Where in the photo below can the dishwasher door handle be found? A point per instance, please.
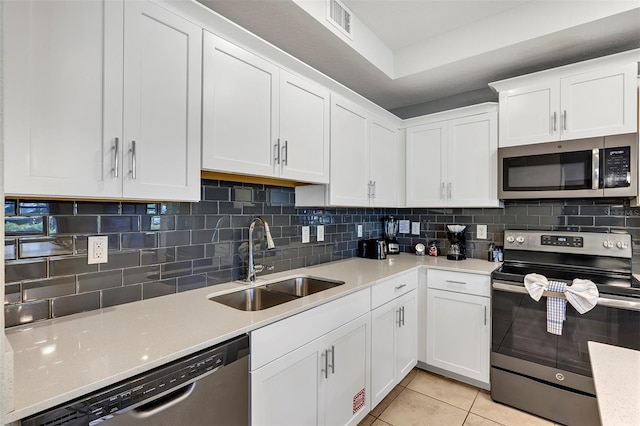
(181, 394)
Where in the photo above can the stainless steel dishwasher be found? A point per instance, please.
(210, 387)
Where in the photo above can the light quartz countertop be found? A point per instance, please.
(616, 374)
(58, 360)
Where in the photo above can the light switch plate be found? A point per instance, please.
(305, 234)
(481, 232)
(359, 228)
(320, 233)
(415, 228)
(97, 249)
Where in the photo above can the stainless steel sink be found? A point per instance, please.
(253, 299)
(269, 295)
(303, 286)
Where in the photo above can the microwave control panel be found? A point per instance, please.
(617, 167)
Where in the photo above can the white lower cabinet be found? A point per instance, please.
(459, 324)
(393, 344)
(323, 381)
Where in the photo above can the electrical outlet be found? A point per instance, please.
(415, 228)
(359, 228)
(481, 232)
(97, 249)
(305, 234)
(320, 232)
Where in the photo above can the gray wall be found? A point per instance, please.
(157, 249)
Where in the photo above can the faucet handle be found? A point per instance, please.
(258, 267)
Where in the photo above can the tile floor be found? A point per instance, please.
(424, 398)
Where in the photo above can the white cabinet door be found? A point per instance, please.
(384, 321)
(286, 391)
(240, 109)
(162, 89)
(349, 154)
(393, 344)
(62, 97)
(304, 130)
(426, 166)
(530, 114)
(599, 103)
(458, 333)
(406, 341)
(345, 388)
(383, 167)
(472, 166)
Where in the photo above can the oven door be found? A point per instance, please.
(519, 331)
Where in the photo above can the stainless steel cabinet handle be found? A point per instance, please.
(116, 156)
(449, 191)
(133, 159)
(373, 185)
(333, 360)
(285, 153)
(456, 282)
(398, 287)
(370, 189)
(276, 152)
(402, 316)
(325, 370)
(399, 318)
(555, 121)
(564, 120)
(595, 174)
(485, 315)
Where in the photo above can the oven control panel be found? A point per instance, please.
(560, 240)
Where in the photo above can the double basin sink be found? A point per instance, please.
(276, 293)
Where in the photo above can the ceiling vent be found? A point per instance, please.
(340, 16)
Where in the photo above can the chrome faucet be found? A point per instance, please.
(253, 269)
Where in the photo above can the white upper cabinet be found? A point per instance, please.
(261, 120)
(67, 131)
(304, 130)
(349, 184)
(364, 158)
(240, 109)
(453, 161)
(588, 99)
(162, 92)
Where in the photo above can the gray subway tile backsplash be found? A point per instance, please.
(157, 249)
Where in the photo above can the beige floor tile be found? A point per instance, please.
(485, 407)
(386, 401)
(450, 391)
(379, 422)
(412, 408)
(367, 421)
(475, 420)
(408, 378)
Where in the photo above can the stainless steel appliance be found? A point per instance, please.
(547, 374)
(210, 387)
(594, 167)
(390, 232)
(457, 242)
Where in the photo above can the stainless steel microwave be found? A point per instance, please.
(593, 167)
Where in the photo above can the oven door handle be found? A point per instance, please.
(618, 303)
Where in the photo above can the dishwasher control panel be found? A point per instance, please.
(146, 388)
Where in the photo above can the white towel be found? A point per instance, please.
(582, 294)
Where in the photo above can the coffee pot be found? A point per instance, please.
(457, 249)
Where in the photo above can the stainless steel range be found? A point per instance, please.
(547, 374)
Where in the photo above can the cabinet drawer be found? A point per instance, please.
(275, 340)
(392, 288)
(459, 282)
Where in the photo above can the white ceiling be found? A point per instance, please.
(420, 56)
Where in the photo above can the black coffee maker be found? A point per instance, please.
(457, 249)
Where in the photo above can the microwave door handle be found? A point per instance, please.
(595, 175)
